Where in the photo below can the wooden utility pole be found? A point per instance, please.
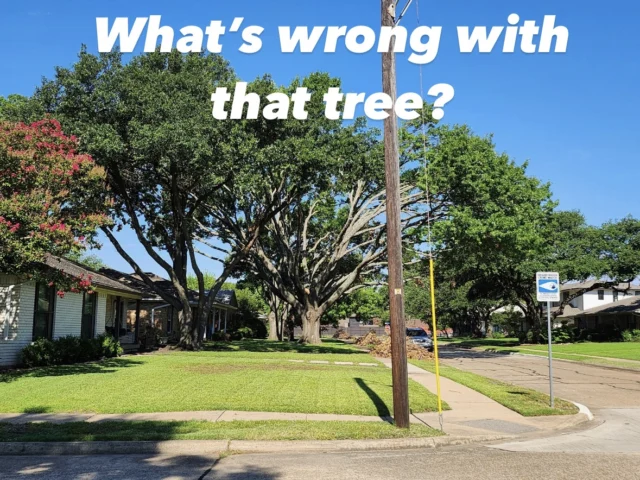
(394, 233)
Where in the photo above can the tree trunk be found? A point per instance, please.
(188, 340)
(273, 326)
(311, 326)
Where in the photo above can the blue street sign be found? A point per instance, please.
(548, 287)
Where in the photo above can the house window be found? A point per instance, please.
(600, 294)
(615, 296)
(87, 329)
(43, 311)
(170, 321)
(637, 293)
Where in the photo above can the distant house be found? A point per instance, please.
(155, 311)
(31, 310)
(619, 306)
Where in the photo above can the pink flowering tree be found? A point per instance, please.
(52, 200)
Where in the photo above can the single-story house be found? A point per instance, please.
(31, 310)
(155, 311)
(624, 314)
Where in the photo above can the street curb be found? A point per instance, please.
(182, 447)
(583, 409)
(201, 447)
(359, 445)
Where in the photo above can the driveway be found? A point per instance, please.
(612, 395)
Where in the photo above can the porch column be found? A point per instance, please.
(226, 314)
(137, 329)
(118, 318)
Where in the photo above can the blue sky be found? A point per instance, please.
(573, 115)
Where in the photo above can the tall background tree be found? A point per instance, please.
(183, 182)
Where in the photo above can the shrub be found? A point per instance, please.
(220, 336)
(109, 347)
(151, 335)
(604, 333)
(242, 333)
(40, 353)
(563, 334)
(631, 336)
(69, 350)
(498, 335)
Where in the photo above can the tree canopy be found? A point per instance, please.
(50, 198)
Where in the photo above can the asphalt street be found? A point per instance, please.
(445, 464)
(612, 395)
(594, 386)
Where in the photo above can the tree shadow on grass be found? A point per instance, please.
(381, 406)
(107, 366)
(36, 410)
(264, 346)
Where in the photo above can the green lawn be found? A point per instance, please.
(245, 376)
(526, 402)
(237, 430)
(622, 355)
(619, 350)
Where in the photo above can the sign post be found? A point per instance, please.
(548, 290)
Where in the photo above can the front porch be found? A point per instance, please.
(124, 327)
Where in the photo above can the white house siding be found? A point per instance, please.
(16, 309)
(101, 313)
(591, 300)
(67, 319)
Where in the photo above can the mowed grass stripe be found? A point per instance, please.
(525, 401)
(200, 430)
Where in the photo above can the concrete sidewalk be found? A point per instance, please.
(209, 416)
(474, 414)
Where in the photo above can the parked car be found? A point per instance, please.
(421, 338)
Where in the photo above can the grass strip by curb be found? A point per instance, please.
(525, 401)
(202, 430)
(575, 357)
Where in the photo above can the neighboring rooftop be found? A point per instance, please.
(224, 297)
(591, 283)
(626, 305)
(98, 279)
(568, 312)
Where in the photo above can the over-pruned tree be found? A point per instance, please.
(330, 240)
(287, 159)
(50, 202)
